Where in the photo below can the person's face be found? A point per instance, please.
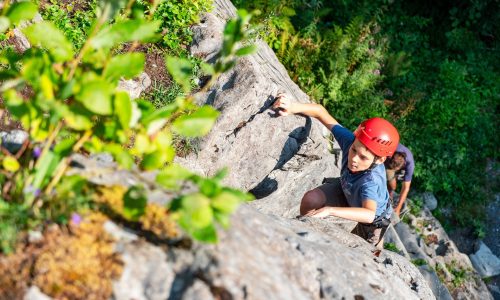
(360, 158)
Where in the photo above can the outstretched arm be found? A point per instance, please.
(285, 107)
(405, 188)
(365, 214)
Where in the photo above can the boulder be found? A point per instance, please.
(485, 262)
(430, 200)
(13, 140)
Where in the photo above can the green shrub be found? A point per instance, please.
(73, 104)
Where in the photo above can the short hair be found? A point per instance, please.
(397, 161)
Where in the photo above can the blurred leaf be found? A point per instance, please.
(208, 69)
(20, 11)
(181, 70)
(96, 97)
(170, 176)
(123, 108)
(49, 37)
(75, 116)
(206, 234)
(157, 159)
(45, 167)
(10, 164)
(121, 155)
(126, 31)
(63, 148)
(196, 210)
(197, 124)
(246, 50)
(107, 9)
(4, 24)
(126, 65)
(226, 202)
(134, 203)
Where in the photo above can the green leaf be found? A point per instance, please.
(157, 159)
(96, 97)
(134, 203)
(197, 124)
(63, 148)
(226, 202)
(107, 9)
(206, 234)
(46, 166)
(4, 24)
(76, 117)
(123, 109)
(49, 37)
(126, 31)
(171, 176)
(196, 211)
(222, 218)
(208, 69)
(126, 65)
(21, 11)
(246, 50)
(121, 155)
(10, 164)
(181, 70)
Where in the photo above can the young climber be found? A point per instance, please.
(360, 194)
(399, 167)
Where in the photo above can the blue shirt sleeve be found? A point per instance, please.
(344, 137)
(369, 191)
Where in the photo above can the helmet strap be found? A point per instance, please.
(373, 165)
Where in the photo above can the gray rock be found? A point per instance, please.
(430, 200)
(13, 140)
(35, 236)
(19, 40)
(485, 262)
(134, 87)
(146, 274)
(34, 293)
(198, 290)
(438, 288)
(119, 234)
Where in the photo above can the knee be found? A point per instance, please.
(313, 199)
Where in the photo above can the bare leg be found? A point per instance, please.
(311, 200)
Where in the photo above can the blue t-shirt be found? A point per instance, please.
(359, 186)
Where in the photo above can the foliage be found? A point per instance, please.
(74, 22)
(155, 218)
(391, 247)
(79, 262)
(176, 18)
(73, 105)
(419, 262)
(416, 206)
(162, 95)
(338, 65)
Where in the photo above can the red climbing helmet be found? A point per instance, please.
(379, 136)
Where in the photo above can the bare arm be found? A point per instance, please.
(365, 214)
(286, 107)
(405, 188)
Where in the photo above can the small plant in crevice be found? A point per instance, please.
(419, 262)
(391, 247)
(162, 95)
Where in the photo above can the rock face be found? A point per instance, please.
(267, 253)
(485, 262)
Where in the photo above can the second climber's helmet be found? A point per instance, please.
(379, 136)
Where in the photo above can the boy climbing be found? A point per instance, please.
(399, 167)
(360, 194)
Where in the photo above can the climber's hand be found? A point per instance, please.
(319, 213)
(283, 105)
